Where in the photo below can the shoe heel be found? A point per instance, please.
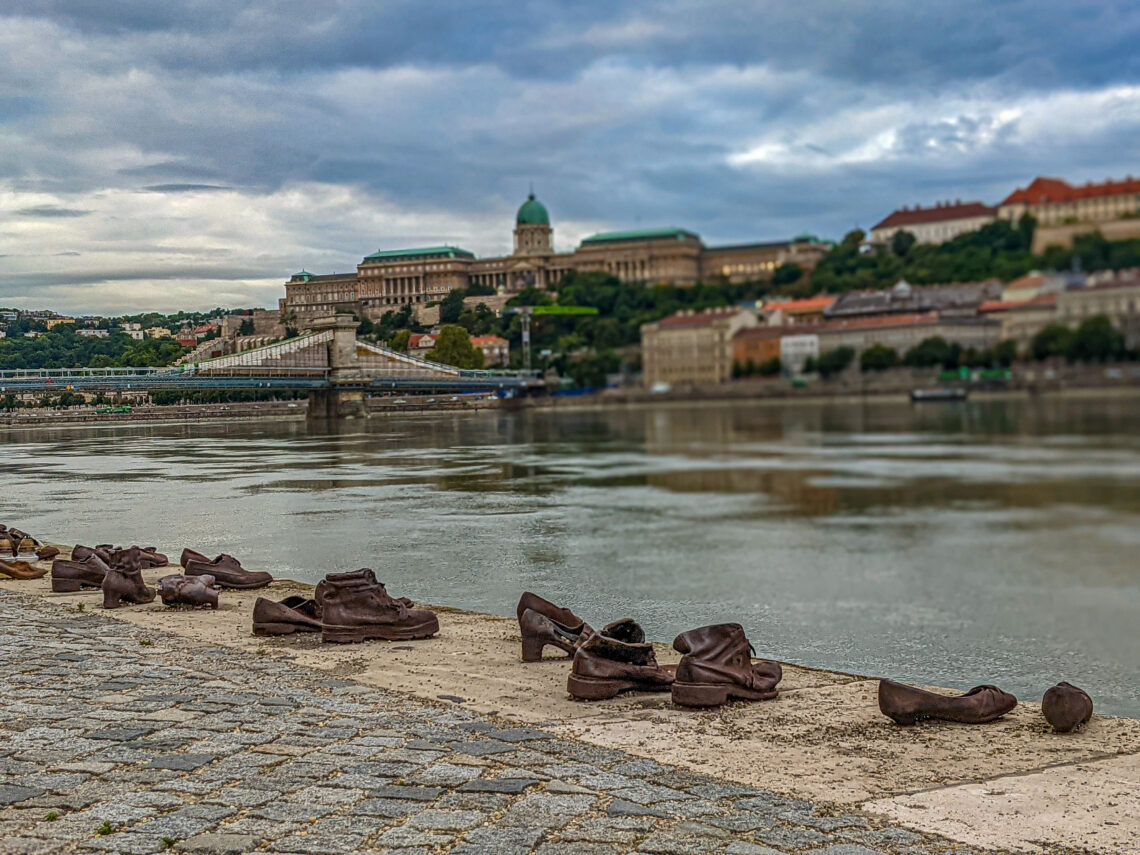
(65, 586)
(585, 689)
(111, 600)
(532, 648)
(697, 695)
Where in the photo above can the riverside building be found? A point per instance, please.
(391, 279)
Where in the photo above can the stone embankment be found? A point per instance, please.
(180, 724)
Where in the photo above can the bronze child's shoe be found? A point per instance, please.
(616, 659)
(179, 590)
(292, 614)
(1066, 707)
(46, 553)
(21, 570)
(70, 576)
(228, 573)
(717, 665)
(125, 584)
(907, 704)
(351, 612)
(547, 624)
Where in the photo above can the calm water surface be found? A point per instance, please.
(988, 542)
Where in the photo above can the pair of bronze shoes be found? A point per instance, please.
(346, 608)
(225, 570)
(1065, 706)
(147, 556)
(21, 570)
(716, 662)
(16, 543)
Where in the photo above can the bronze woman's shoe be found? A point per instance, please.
(616, 659)
(21, 570)
(228, 572)
(46, 553)
(189, 555)
(352, 612)
(547, 624)
(907, 704)
(125, 583)
(716, 665)
(292, 614)
(179, 590)
(70, 576)
(1066, 707)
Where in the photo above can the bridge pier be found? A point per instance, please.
(343, 399)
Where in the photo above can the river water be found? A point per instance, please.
(989, 542)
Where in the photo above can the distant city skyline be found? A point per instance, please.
(165, 157)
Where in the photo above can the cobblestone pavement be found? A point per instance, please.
(115, 739)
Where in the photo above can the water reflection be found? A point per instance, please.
(994, 541)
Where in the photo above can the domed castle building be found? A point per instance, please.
(393, 278)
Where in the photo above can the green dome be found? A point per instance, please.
(532, 213)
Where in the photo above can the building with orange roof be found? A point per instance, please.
(796, 312)
(496, 349)
(1054, 201)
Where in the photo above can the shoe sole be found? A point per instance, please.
(715, 694)
(594, 689)
(355, 635)
(281, 628)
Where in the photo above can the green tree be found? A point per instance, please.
(834, 361)
(1004, 353)
(400, 341)
(930, 351)
(1096, 341)
(878, 357)
(770, 367)
(451, 307)
(453, 347)
(787, 274)
(246, 327)
(901, 243)
(1052, 340)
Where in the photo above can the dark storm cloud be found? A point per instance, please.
(51, 211)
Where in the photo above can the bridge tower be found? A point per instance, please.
(344, 397)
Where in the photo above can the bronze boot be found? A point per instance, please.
(179, 590)
(292, 614)
(70, 576)
(228, 573)
(124, 581)
(716, 665)
(353, 613)
(21, 570)
(907, 704)
(1066, 707)
(547, 624)
(362, 578)
(616, 659)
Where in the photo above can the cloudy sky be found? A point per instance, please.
(167, 155)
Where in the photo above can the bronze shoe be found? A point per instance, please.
(717, 665)
(124, 583)
(292, 614)
(80, 553)
(228, 573)
(179, 590)
(1066, 707)
(907, 704)
(70, 576)
(189, 555)
(7, 547)
(362, 578)
(354, 613)
(547, 624)
(616, 659)
(21, 570)
(46, 553)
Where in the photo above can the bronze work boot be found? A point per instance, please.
(1066, 707)
(46, 553)
(907, 704)
(67, 577)
(179, 590)
(362, 578)
(228, 573)
(351, 612)
(547, 624)
(616, 659)
(717, 665)
(292, 614)
(21, 570)
(124, 582)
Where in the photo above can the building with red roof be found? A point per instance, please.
(1053, 201)
(937, 224)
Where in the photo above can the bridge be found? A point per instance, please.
(330, 363)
